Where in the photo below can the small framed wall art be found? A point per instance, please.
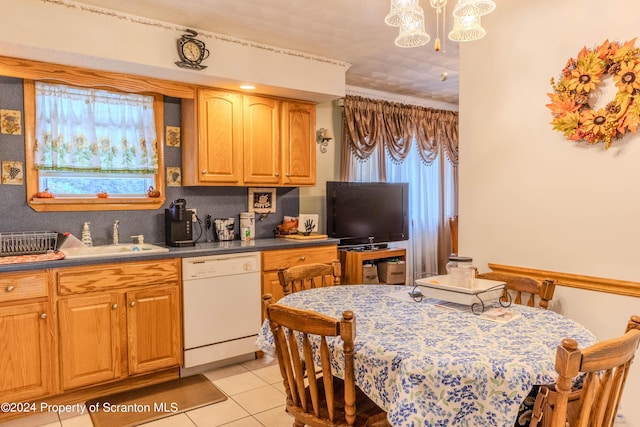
(262, 200)
(174, 176)
(172, 137)
(12, 172)
(10, 122)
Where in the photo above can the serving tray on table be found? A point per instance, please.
(484, 291)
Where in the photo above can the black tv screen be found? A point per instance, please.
(364, 212)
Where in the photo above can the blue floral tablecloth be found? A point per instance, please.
(428, 366)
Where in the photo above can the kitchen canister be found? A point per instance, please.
(461, 271)
(248, 220)
(224, 228)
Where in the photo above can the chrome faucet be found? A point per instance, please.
(116, 225)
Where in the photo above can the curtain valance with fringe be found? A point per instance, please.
(369, 123)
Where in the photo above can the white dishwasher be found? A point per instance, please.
(222, 306)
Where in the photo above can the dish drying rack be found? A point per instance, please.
(28, 243)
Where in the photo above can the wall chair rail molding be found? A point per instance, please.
(600, 284)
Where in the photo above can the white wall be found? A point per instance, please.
(529, 197)
(313, 199)
(70, 33)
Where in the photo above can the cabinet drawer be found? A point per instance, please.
(19, 286)
(272, 260)
(107, 277)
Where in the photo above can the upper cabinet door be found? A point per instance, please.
(298, 143)
(220, 134)
(231, 139)
(261, 141)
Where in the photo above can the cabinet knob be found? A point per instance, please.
(288, 175)
(10, 288)
(277, 174)
(114, 306)
(132, 303)
(204, 172)
(302, 258)
(43, 316)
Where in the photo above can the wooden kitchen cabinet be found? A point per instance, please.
(261, 150)
(89, 339)
(27, 356)
(298, 156)
(275, 259)
(153, 326)
(212, 154)
(120, 320)
(233, 139)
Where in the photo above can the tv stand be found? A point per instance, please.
(368, 248)
(352, 261)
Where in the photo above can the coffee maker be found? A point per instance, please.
(178, 230)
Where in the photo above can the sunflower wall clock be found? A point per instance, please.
(577, 87)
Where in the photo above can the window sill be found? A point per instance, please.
(39, 204)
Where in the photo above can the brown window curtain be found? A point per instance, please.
(369, 122)
(376, 126)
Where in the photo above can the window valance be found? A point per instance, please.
(369, 123)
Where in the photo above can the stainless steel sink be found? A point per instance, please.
(112, 251)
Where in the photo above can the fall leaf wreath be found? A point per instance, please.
(572, 113)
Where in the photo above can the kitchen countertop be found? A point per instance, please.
(200, 249)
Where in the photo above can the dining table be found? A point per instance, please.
(429, 365)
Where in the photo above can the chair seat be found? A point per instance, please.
(368, 415)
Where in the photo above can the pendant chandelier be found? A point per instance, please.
(412, 34)
(404, 11)
(409, 17)
(466, 28)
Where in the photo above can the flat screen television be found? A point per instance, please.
(360, 213)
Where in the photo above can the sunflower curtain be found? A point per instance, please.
(89, 130)
(421, 146)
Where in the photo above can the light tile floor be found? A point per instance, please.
(255, 399)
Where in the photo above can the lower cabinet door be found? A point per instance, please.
(89, 340)
(153, 329)
(271, 285)
(25, 353)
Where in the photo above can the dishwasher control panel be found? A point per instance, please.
(220, 265)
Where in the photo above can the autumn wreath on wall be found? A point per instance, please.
(578, 85)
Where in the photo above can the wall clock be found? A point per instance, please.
(191, 51)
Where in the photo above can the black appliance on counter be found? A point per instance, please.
(178, 229)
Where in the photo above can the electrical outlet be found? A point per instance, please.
(194, 217)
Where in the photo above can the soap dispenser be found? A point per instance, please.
(86, 235)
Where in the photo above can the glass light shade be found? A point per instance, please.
(404, 12)
(412, 35)
(466, 29)
(473, 8)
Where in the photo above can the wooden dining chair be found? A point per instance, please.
(526, 289)
(453, 229)
(605, 366)
(313, 395)
(307, 276)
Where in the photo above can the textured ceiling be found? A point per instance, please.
(352, 31)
